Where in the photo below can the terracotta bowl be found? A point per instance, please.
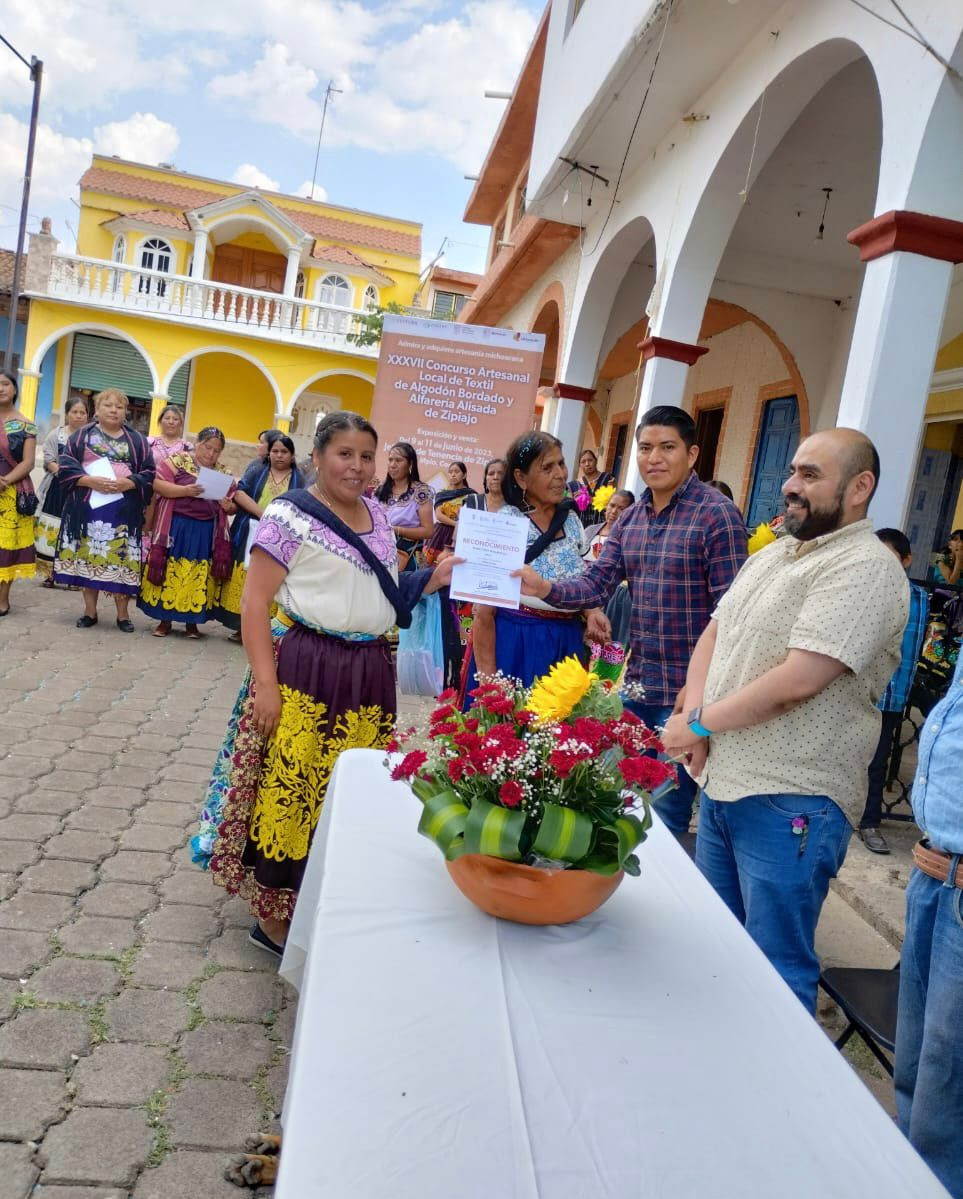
(528, 895)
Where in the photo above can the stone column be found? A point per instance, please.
(568, 420)
(909, 258)
(667, 365)
(199, 261)
(291, 272)
(27, 397)
(158, 402)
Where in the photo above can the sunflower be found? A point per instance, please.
(555, 694)
(602, 497)
(762, 536)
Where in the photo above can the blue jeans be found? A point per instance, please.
(929, 1030)
(773, 878)
(675, 809)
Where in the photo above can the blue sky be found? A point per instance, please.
(233, 89)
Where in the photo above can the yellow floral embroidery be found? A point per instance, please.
(187, 587)
(16, 533)
(230, 594)
(297, 768)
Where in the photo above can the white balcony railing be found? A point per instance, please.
(203, 302)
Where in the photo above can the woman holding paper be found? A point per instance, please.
(321, 678)
(107, 474)
(262, 482)
(527, 643)
(190, 548)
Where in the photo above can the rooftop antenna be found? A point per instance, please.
(330, 91)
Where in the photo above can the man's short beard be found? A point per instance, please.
(810, 525)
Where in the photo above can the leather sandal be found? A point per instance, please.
(125, 625)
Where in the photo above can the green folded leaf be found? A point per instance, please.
(443, 820)
(564, 834)
(494, 831)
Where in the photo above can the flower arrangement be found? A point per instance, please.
(557, 775)
(602, 497)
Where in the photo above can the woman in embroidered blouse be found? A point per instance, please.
(263, 481)
(527, 643)
(170, 439)
(589, 480)
(190, 545)
(49, 492)
(447, 505)
(407, 502)
(321, 679)
(18, 447)
(99, 548)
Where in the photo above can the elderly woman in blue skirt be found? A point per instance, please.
(190, 549)
(527, 643)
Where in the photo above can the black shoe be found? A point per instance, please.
(125, 626)
(874, 840)
(257, 936)
(86, 622)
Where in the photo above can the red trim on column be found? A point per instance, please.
(569, 391)
(912, 232)
(678, 351)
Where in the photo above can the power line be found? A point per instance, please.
(912, 33)
(14, 49)
(635, 125)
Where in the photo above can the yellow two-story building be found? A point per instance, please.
(235, 303)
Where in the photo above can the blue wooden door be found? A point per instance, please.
(778, 439)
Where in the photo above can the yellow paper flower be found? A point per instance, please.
(602, 497)
(555, 694)
(762, 536)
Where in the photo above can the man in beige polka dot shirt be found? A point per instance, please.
(779, 708)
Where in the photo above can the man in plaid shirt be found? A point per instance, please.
(893, 700)
(679, 548)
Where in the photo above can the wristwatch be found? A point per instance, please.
(694, 721)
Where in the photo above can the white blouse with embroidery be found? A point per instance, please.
(328, 585)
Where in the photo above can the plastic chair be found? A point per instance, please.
(868, 999)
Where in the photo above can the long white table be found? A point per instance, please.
(647, 1052)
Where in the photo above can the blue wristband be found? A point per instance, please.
(699, 729)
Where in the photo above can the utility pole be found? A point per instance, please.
(330, 90)
(35, 67)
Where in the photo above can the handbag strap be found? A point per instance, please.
(544, 540)
(306, 502)
(6, 454)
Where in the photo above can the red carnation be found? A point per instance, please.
(448, 695)
(590, 730)
(524, 717)
(498, 704)
(628, 717)
(563, 762)
(409, 765)
(444, 728)
(442, 713)
(647, 773)
(511, 794)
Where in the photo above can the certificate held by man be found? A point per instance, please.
(493, 545)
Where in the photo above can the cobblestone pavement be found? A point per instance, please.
(142, 1038)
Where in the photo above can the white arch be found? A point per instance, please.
(302, 387)
(92, 327)
(277, 237)
(201, 350)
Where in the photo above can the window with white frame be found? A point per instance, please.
(370, 298)
(155, 255)
(120, 248)
(336, 290)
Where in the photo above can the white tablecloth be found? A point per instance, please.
(647, 1052)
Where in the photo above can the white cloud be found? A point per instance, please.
(142, 137)
(309, 191)
(248, 175)
(59, 162)
(276, 90)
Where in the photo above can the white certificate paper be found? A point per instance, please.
(493, 546)
(216, 483)
(100, 468)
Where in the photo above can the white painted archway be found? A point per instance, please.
(202, 350)
(92, 327)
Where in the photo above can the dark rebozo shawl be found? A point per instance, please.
(251, 482)
(77, 508)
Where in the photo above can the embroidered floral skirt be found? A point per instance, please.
(17, 555)
(188, 590)
(335, 695)
(106, 558)
(227, 601)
